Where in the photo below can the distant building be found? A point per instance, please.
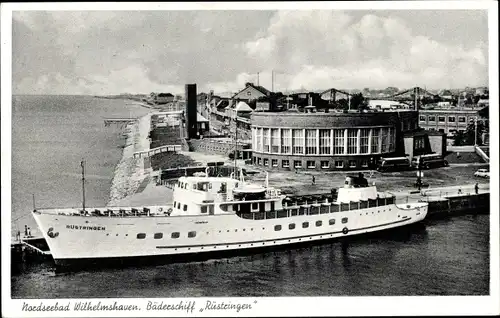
(386, 104)
(251, 92)
(447, 120)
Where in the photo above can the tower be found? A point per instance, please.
(191, 111)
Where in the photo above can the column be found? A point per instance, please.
(317, 141)
(304, 141)
(358, 141)
(269, 139)
(331, 141)
(370, 140)
(345, 141)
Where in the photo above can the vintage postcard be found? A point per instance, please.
(250, 159)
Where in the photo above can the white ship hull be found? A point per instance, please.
(75, 239)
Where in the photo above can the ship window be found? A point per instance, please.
(344, 220)
(255, 206)
(305, 225)
(158, 236)
(204, 209)
(331, 222)
(176, 235)
(235, 207)
(141, 236)
(319, 223)
(185, 208)
(178, 205)
(174, 204)
(291, 226)
(270, 214)
(192, 234)
(277, 227)
(282, 214)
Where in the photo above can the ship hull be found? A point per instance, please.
(71, 264)
(119, 241)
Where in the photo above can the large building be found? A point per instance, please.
(329, 141)
(447, 119)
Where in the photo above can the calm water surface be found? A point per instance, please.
(51, 134)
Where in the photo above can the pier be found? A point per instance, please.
(118, 121)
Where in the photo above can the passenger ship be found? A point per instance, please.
(214, 216)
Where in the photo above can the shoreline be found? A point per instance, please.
(129, 173)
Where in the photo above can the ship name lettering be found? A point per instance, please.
(85, 227)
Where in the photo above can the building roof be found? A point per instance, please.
(243, 107)
(261, 89)
(423, 133)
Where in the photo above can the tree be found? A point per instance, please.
(358, 102)
(464, 138)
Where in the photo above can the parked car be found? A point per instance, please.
(483, 173)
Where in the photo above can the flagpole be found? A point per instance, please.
(83, 184)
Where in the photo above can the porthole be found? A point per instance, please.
(158, 236)
(344, 220)
(319, 223)
(191, 233)
(305, 225)
(175, 235)
(331, 221)
(243, 230)
(277, 227)
(139, 236)
(236, 230)
(291, 226)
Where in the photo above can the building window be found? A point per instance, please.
(277, 227)
(432, 118)
(259, 161)
(266, 162)
(141, 236)
(365, 135)
(461, 119)
(419, 143)
(319, 223)
(258, 139)
(364, 163)
(384, 141)
(325, 164)
(344, 220)
(352, 163)
(285, 163)
(291, 226)
(286, 141)
(158, 236)
(338, 141)
(441, 130)
(451, 119)
(297, 164)
(352, 141)
(392, 136)
(339, 164)
(441, 119)
(305, 225)
(266, 139)
(204, 209)
(422, 118)
(331, 221)
(298, 141)
(175, 235)
(185, 207)
(311, 164)
(274, 162)
(275, 141)
(375, 133)
(311, 138)
(324, 141)
(472, 119)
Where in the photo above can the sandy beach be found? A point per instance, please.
(129, 172)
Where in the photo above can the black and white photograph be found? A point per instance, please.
(250, 159)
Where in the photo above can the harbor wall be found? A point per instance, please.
(458, 204)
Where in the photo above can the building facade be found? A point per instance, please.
(447, 120)
(328, 141)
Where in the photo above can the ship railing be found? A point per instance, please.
(145, 211)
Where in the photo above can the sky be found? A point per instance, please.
(113, 52)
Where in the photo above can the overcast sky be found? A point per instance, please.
(110, 52)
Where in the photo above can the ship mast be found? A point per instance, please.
(235, 143)
(83, 184)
